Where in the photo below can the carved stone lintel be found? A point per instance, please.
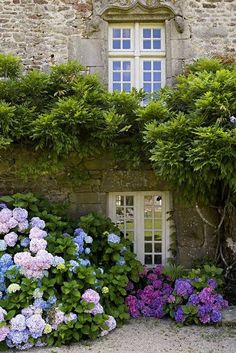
(154, 12)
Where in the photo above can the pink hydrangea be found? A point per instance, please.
(11, 239)
(4, 229)
(4, 331)
(33, 267)
(36, 233)
(37, 244)
(5, 215)
(20, 214)
(23, 226)
(12, 223)
(91, 296)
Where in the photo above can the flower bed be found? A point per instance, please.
(185, 300)
(54, 289)
(62, 282)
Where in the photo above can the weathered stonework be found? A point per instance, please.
(44, 31)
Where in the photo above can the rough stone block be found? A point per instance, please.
(87, 51)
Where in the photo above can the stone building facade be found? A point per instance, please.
(44, 32)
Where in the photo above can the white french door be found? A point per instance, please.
(143, 218)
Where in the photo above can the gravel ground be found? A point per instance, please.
(154, 336)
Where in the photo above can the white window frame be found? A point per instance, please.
(139, 220)
(135, 54)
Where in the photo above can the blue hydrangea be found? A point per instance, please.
(3, 245)
(25, 242)
(57, 260)
(52, 300)
(121, 261)
(113, 238)
(84, 262)
(87, 251)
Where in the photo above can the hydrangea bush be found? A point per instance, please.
(51, 290)
(185, 300)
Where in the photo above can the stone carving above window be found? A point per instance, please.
(143, 11)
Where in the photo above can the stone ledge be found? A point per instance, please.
(229, 316)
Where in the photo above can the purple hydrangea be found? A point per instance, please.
(35, 324)
(37, 222)
(4, 331)
(179, 315)
(18, 323)
(183, 287)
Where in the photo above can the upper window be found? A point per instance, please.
(136, 57)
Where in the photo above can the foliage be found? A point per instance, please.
(10, 66)
(56, 285)
(67, 111)
(189, 300)
(194, 145)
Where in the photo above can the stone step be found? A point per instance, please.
(229, 316)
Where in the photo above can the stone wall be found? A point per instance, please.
(46, 31)
(87, 190)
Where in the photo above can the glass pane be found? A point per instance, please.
(119, 211)
(156, 44)
(147, 65)
(157, 213)
(121, 227)
(157, 259)
(130, 224)
(158, 200)
(126, 33)
(129, 200)
(156, 33)
(129, 212)
(116, 65)
(126, 65)
(156, 87)
(116, 44)
(148, 223)
(157, 247)
(146, 33)
(156, 76)
(148, 212)
(148, 259)
(148, 200)
(157, 236)
(116, 33)
(148, 247)
(116, 76)
(116, 87)
(119, 200)
(126, 44)
(126, 76)
(147, 87)
(148, 236)
(146, 44)
(127, 87)
(147, 76)
(158, 223)
(130, 236)
(157, 65)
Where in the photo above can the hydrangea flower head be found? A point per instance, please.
(11, 239)
(183, 287)
(37, 222)
(3, 245)
(91, 296)
(20, 214)
(18, 323)
(4, 331)
(5, 215)
(113, 238)
(14, 287)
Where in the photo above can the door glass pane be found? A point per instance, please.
(129, 200)
(148, 236)
(130, 235)
(157, 259)
(130, 224)
(148, 224)
(148, 247)
(119, 200)
(158, 236)
(157, 247)
(148, 259)
(158, 223)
